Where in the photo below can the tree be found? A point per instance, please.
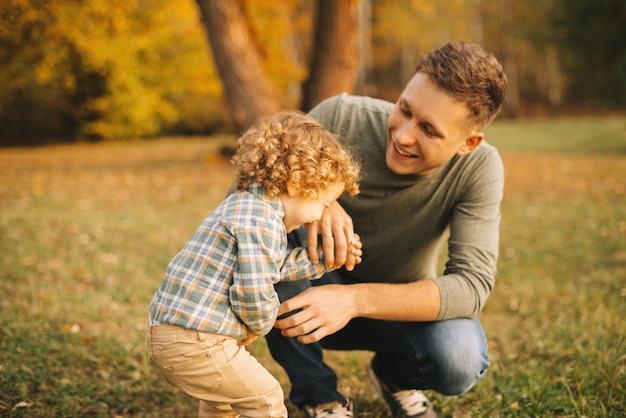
(102, 69)
(336, 55)
(247, 88)
(238, 56)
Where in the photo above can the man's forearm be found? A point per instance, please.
(323, 310)
(416, 301)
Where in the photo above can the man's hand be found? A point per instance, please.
(340, 245)
(324, 311)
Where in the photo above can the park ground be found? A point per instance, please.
(86, 231)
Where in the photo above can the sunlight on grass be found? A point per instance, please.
(86, 232)
(560, 135)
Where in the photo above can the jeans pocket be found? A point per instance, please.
(188, 365)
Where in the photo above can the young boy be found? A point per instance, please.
(218, 292)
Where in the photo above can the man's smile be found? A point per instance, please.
(403, 153)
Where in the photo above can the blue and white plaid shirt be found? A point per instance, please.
(222, 281)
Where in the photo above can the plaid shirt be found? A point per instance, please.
(222, 281)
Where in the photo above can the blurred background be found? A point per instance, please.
(102, 69)
(87, 229)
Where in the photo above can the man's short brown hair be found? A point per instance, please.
(469, 74)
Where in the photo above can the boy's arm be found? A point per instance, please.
(250, 338)
(299, 265)
(251, 294)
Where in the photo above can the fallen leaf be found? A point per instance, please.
(22, 404)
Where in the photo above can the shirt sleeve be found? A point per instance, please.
(470, 271)
(298, 266)
(262, 261)
(252, 296)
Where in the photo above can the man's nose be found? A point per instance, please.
(405, 135)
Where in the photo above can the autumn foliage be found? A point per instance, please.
(104, 68)
(124, 69)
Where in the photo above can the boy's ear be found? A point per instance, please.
(471, 142)
(290, 190)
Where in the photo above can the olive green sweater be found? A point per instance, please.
(405, 220)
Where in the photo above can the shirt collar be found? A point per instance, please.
(274, 201)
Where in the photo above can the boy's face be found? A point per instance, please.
(426, 128)
(301, 210)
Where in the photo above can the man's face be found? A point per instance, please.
(426, 128)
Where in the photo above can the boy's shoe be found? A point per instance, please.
(404, 403)
(334, 409)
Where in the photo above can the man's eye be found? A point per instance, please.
(428, 130)
(402, 107)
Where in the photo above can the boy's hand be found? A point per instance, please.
(250, 338)
(356, 249)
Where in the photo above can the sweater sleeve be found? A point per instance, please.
(470, 271)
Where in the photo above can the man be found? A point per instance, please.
(427, 177)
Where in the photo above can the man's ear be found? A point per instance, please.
(471, 142)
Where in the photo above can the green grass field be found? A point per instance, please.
(86, 232)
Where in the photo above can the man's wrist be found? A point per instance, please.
(358, 299)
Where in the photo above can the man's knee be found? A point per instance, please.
(456, 369)
(457, 381)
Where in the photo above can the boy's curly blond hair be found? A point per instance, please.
(291, 148)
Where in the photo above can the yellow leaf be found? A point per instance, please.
(72, 328)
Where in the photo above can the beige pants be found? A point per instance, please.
(226, 378)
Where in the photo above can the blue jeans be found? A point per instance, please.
(446, 356)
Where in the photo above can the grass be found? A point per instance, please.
(560, 135)
(87, 230)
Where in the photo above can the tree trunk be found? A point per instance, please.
(247, 88)
(335, 64)
(366, 58)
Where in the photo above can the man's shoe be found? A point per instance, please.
(404, 403)
(334, 409)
